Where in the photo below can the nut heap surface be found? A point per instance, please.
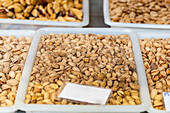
(156, 58)
(13, 53)
(87, 59)
(55, 10)
(140, 11)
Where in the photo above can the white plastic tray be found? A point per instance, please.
(85, 21)
(128, 25)
(156, 34)
(35, 108)
(16, 33)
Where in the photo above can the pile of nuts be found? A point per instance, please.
(55, 10)
(156, 58)
(105, 61)
(140, 11)
(13, 53)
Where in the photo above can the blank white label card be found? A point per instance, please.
(87, 94)
(166, 97)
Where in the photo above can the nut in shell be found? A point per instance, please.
(85, 59)
(156, 68)
(11, 67)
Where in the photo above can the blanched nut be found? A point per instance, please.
(13, 53)
(140, 11)
(156, 54)
(87, 59)
(55, 10)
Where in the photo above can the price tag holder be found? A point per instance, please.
(166, 97)
(86, 94)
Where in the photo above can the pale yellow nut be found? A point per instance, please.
(33, 2)
(38, 94)
(4, 93)
(20, 5)
(39, 102)
(23, 2)
(16, 1)
(46, 95)
(28, 9)
(76, 2)
(129, 98)
(64, 102)
(9, 102)
(3, 16)
(51, 90)
(28, 2)
(27, 101)
(59, 1)
(18, 15)
(12, 74)
(158, 97)
(70, 19)
(26, 15)
(49, 9)
(14, 89)
(16, 8)
(7, 3)
(39, 18)
(47, 101)
(70, 4)
(65, 6)
(54, 86)
(5, 87)
(28, 96)
(18, 76)
(53, 16)
(35, 13)
(10, 14)
(79, 6)
(2, 98)
(60, 83)
(12, 82)
(42, 9)
(72, 76)
(132, 103)
(78, 13)
(56, 7)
